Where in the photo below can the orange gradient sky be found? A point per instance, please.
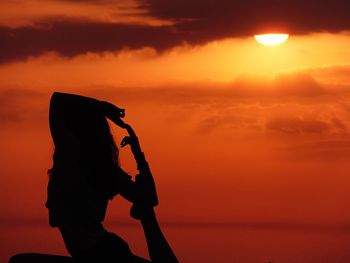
(234, 131)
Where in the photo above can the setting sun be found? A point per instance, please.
(271, 39)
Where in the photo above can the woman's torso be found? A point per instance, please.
(77, 209)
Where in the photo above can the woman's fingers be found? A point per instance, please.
(119, 122)
(130, 130)
(125, 141)
(133, 142)
(121, 113)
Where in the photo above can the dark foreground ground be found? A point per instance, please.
(206, 243)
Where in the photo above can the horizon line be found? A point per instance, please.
(196, 224)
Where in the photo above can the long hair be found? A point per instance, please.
(85, 144)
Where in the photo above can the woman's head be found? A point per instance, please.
(83, 141)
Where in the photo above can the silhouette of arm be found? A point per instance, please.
(158, 247)
(69, 103)
(73, 100)
(146, 198)
(144, 184)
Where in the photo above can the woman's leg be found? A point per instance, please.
(158, 247)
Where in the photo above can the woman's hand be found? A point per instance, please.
(132, 140)
(113, 113)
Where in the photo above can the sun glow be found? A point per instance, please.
(271, 39)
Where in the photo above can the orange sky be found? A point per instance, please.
(235, 131)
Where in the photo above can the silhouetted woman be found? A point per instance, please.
(85, 175)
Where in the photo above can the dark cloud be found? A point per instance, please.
(197, 22)
(226, 18)
(297, 125)
(73, 38)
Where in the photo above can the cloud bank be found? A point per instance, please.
(99, 26)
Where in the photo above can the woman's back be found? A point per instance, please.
(79, 180)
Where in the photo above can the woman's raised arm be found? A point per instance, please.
(71, 102)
